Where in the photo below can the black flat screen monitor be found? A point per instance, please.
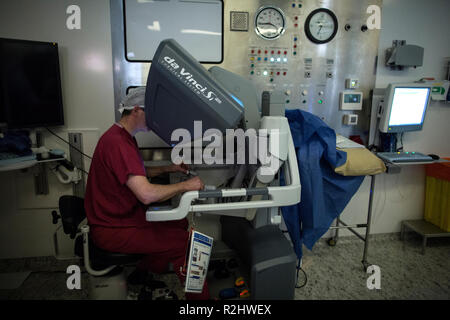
(30, 84)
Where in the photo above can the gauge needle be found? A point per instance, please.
(268, 23)
(319, 29)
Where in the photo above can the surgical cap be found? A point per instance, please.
(136, 97)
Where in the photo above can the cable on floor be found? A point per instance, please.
(299, 268)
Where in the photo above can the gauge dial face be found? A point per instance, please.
(270, 23)
(321, 26)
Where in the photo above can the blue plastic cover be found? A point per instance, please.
(324, 193)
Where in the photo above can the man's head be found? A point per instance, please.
(132, 110)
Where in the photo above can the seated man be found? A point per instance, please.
(118, 193)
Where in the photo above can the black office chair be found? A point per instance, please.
(108, 280)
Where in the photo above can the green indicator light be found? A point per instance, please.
(251, 72)
(271, 79)
(320, 101)
(287, 101)
(295, 52)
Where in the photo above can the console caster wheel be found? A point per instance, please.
(332, 242)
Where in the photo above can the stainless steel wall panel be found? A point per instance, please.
(316, 70)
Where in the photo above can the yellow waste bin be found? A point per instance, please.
(437, 195)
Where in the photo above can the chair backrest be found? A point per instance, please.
(72, 213)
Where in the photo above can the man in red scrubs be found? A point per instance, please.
(118, 193)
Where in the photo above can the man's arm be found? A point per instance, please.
(147, 192)
(156, 171)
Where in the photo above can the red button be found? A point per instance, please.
(285, 52)
(253, 51)
(284, 73)
(296, 25)
(296, 18)
(265, 51)
(279, 51)
(259, 51)
(295, 46)
(272, 51)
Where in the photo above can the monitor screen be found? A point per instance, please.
(196, 25)
(405, 108)
(30, 85)
(408, 106)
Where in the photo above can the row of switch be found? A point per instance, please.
(295, 22)
(253, 51)
(271, 59)
(294, 46)
(304, 93)
(266, 73)
(304, 101)
(320, 101)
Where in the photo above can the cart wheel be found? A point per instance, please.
(332, 242)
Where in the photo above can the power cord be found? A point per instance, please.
(69, 144)
(299, 268)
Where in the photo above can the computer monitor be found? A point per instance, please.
(30, 84)
(404, 107)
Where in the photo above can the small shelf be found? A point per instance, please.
(28, 164)
(423, 228)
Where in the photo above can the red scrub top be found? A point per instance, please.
(108, 201)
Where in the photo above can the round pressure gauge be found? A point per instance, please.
(270, 22)
(321, 26)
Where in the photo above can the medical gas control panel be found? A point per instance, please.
(317, 54)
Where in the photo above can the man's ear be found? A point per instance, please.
(136, 108)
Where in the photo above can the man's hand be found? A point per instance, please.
(156, 171)
(148, 193)
(193, 184)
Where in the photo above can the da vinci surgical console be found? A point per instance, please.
(181, 91)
